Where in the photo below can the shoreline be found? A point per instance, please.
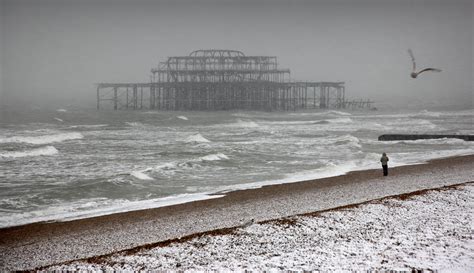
(178, 199)
(41, 244)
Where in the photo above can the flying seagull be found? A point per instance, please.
(415, 74)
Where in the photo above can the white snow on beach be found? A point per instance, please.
(429, 231)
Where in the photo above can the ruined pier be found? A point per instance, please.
(223, 80)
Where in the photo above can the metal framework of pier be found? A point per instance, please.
(223, 80)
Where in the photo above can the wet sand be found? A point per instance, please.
(41, 244)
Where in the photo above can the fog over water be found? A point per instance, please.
(53, 52)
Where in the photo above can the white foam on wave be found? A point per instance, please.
(97, 207)
(58, 119)
(347, 140)
(340, 120)
(401, 159)
(364, 162)
(426, 113)
(134, 124)
(330, 170)
(182, 117)
(196, 138)
(88, 126)
(310, 122)
(437, 141)
(339, 113)
(418, 125)
(43, 139)
(335, 141)
(41, 151)
(141, 175)
(166, 166)
(170, 167)
(214, 157)
(243, 124)
(325, 113)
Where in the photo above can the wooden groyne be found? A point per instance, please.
(390, 137)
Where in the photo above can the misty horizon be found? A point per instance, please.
(54, 52)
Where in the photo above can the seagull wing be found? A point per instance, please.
(430, 69)
(412, 59)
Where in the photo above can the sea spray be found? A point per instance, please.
(93, 150)
(214, 157)
(196, 138)
(42, 139)
(42, 151)
(140, 175)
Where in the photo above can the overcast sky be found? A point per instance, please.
(55, 51)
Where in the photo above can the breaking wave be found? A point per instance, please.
(244, 124)
(339, 120)
(438, 141)
(339, 113)
(134, 124)
(182, 117)
(347, 140)
(141, 175)
(88, 126)
(214, 157)
(325, 113)
(426, 113)
(196, 138)
(47, 150)
(170, 167)
(45, 139)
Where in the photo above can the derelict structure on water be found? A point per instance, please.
(218, 79)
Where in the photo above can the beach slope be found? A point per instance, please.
(41, 244)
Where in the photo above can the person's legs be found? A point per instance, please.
(385, 170)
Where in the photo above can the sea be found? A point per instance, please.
(64, 164)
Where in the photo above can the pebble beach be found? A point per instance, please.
(45, 244)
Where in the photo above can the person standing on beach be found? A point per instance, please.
(384, 160)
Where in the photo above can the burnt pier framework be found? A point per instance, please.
(223, 80)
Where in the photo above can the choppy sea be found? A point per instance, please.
(66, 163)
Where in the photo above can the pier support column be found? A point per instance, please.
(135, 97)
(152, 97)
(141, 97)
(343, 97)
(115, 98)
(126, 99)
(98, 98)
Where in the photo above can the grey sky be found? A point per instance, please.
(57, 50)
